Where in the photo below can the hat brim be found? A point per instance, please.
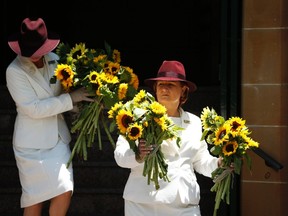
(50, 44)
(150, 82)
(47, 47)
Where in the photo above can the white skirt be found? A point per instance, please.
(144, 209)
(43, 173)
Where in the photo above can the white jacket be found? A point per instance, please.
(39, 104)
(183, 189)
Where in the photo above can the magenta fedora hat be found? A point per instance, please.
(33, 40)
(171, 71)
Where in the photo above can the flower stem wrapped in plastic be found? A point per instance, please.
(230, 140)
(108, 82)
(143, 117)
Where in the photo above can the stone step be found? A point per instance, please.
(96, 201)
(99, 183)
(7, 119)
(84, 203)
(94, 154)
(93, 175)
(6, 101)
(98, 189)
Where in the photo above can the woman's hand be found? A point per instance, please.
(79, 95)
(221, 163)
(143, 150)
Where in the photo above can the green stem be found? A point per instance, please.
(99, 138)
(84, 150)
(156, 173)
(108, 134)
(218, 197)
(94, 118)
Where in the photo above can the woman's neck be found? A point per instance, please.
(39, 63)
(173, 113)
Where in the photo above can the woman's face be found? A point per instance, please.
(168, 93)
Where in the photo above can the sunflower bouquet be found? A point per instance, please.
(231, 141)
(107, 81)
(143, 117)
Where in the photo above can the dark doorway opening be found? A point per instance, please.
(145, 34)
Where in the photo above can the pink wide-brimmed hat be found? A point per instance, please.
(171, 71)
(33, 40)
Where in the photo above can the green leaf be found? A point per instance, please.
(204, 134)
(237, 165)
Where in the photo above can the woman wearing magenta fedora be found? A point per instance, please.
(181, 195)
(41, 137)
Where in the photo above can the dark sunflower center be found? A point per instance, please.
(235, 125)
(93, 77)
(65, 74)
(222, 134)
(229, 148)
(134, 131)
(126, 120)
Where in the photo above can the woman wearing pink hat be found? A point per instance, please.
(181, 195)
(41, 137)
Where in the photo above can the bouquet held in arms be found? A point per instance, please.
(231, 141)
(143, 117)
(108, 82)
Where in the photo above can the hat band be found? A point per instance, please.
(171, 74)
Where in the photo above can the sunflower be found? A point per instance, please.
(210, 119)
(128, 74)
(221, 134)
(162, 122)
(93, 77)
(116, 56)
(250, 142)
(229, 148)
(204, 117)
(65, 74)
(122, 91)
(123, 119)
(77, 52)
(158, 108)
(114, 110)
(134, 131)
(99, 59)
(144, 117)
(108, 78)
(108, 82)
(113, 67)
(138, 98)
(229, 140)
(237, 124)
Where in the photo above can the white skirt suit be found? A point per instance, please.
(41, 137)
(181, 195)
